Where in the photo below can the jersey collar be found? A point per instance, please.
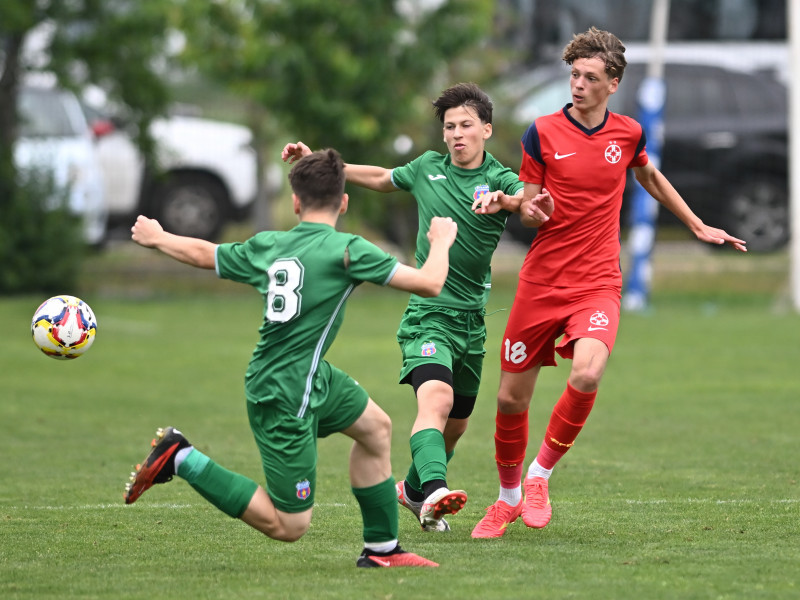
(592, 131)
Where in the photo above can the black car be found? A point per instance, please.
(725, 144)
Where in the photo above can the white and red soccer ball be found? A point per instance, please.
(64, 327)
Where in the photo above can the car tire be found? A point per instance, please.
(758, 212)
(193, 205)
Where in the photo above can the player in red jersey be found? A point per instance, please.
(574, 166)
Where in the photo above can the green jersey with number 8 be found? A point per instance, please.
(305, 275)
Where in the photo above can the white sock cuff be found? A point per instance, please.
(537, 470)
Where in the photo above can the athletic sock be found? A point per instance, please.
(568, 418)
(378, 505)
(180, 455)
(429, 456)
(413, 486)
(537, 470)
(228, 491)
(511, 496)
(382, 547)
(510, 442)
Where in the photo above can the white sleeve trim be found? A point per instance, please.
(394, 270)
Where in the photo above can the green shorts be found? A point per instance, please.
(445, 336)
(288, 444)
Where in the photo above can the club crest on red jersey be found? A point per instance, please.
(613, 153)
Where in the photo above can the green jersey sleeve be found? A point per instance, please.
(404, 177)
(370, 263)
(239, 261)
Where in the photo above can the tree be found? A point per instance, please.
(119, 45)
(349, 74)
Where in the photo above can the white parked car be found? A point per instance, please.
(55, 139)
(205, 174)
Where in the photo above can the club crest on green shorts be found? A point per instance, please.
(428, 349)
(303, 489)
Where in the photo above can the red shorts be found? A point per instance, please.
(541, 314)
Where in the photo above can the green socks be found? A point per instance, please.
(413, 480)
(378, 511)
(429, 459)
(228, 491)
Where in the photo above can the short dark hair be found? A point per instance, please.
(464, 94)
(601, 44)
(318, 180)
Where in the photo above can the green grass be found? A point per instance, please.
(684, 483)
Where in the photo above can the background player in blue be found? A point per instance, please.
(293, 395)
(442, 338)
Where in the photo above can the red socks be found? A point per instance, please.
(510, 442)
(568, 418)
(511, 435)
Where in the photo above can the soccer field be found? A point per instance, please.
(684, 484)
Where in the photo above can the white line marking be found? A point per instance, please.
(142, 505)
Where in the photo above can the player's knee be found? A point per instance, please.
(383, 427)
(288, 534)
(586, 379)
(288, 527)
(511, 402)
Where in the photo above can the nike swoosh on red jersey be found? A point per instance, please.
(560, 156)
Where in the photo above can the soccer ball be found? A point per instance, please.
(64, 327)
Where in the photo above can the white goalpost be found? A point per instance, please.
(793, 32)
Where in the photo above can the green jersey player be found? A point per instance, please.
(293, 395)
(442, 339)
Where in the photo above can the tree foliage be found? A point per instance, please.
(348, 74)
(351, 74)
(118, 45)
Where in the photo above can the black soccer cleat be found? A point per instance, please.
(158, 466)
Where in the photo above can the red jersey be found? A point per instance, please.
(584, 170)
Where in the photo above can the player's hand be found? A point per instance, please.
(146, 232)
(712, 235)
(538, 210)
(293, 152)
(443, 229)
(489, 203)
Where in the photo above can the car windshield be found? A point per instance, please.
(43, 114)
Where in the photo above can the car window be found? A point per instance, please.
(758, 95)
(43, 114)
(695, 92)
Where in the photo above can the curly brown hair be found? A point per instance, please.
(601, 44)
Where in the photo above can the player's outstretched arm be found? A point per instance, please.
(661, 189)
(494, 202)
(428, 280)
(373, 178)
(537, 205)
(377, 179)
(192, 251)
